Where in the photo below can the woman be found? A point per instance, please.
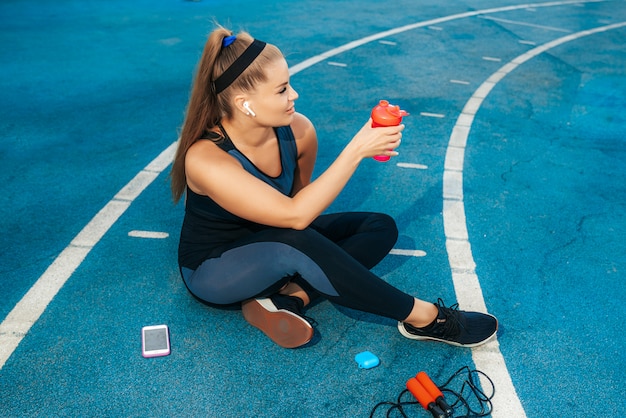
(254, 232)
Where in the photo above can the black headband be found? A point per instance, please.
(239, 66)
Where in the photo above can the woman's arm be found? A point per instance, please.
(213, 172)
(306, 142)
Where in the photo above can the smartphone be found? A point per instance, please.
(155, 341)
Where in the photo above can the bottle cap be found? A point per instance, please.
(385, 114)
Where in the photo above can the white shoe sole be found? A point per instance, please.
(407, 334)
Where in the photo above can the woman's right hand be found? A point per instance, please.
(369, 141)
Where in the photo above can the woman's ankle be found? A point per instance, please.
(292, 289)
(423, 314)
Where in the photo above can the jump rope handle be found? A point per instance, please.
(434, 391)
(425, 398)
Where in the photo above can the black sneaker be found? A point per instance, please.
(452, 326)
(280, 318)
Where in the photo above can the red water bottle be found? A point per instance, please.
(385, 114)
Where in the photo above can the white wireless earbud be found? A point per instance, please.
(246, 105)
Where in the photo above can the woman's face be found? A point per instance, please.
(273, 100)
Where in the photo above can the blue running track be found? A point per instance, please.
(509, 192)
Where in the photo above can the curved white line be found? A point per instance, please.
(28, 310)
(488, 357)
(359, 42)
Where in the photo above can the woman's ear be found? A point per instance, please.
(242, 104)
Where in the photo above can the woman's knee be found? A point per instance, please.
(385, 224)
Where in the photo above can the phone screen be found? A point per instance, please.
(155, 341)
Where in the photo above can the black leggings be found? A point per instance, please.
(332, 256)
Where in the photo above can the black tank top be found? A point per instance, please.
(208, 229)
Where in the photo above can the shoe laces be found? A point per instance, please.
(451, 324)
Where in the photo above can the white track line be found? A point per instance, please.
(28, 310)
(531, 25)
(413, 165)
(148, 234)
(408, 253)
(432, 115)
(488, 357)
